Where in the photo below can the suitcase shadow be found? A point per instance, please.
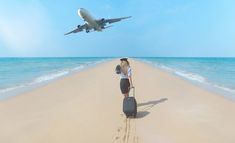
(147, 106)
(142, 114)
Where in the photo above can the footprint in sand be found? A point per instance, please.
(118, 133)
(126, 133)
(119, 129)
(117, 138)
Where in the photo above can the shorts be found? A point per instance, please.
(124, 85)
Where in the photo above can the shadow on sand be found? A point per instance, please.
(141, 114)
(147, 106)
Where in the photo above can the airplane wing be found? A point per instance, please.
(79, 29)
(115, 19)
(104, 21)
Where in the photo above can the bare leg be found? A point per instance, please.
(126, 94)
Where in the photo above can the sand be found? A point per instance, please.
(86, 107)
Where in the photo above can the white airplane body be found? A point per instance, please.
(84, 14)
(91, 23)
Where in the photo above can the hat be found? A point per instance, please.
(123, 59)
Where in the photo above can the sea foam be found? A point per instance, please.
(38, 71)
(180, 69)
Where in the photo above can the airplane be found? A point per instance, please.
(93, 24)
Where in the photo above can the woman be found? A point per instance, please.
(125, 75)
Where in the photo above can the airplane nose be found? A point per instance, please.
(80, 12)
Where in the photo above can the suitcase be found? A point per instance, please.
(130, 105)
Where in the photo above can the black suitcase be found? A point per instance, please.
(130, 105)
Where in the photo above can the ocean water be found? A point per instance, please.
(216, 74)
(21, 74)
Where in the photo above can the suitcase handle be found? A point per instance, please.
(133, 88)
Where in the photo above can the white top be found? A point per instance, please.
(129, 73)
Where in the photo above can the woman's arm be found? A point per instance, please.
(129, 73)
(131, 83)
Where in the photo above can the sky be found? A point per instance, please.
(158, 28)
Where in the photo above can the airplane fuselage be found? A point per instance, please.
(92, 23)
(84, 14)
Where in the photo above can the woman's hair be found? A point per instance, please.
(124, 66)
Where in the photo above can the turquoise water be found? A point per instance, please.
(19, 74)
(22, 73)
(215, 73)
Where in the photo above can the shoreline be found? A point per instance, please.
(210, 87)
(29, 86)
(87, 107)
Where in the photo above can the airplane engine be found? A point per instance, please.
(90, 24)
(103, 23)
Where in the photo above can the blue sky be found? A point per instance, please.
(31, 28)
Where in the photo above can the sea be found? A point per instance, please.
(214, 74)
(19, 75)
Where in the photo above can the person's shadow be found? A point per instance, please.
(147, 106)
